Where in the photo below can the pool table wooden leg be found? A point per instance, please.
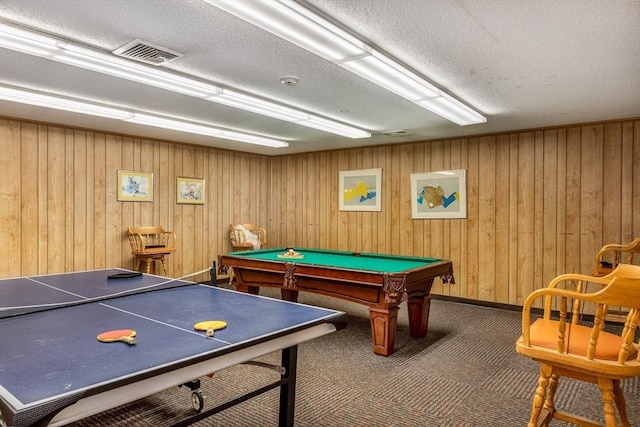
(383, 329)
(418, 315)
(289, 295)
(241, 287)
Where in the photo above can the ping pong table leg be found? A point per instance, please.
(288, 389)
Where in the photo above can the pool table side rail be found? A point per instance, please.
(355, 285)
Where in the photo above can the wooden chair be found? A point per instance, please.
(607, 259)
(567, 346)
(150, 244)
(247, 237)
(613, 254)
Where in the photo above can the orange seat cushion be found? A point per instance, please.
(544, 333)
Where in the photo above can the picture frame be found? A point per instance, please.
(436, 195)
(135, 186)
(360, 190)
(190, 191)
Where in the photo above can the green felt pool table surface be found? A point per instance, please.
(344, 259)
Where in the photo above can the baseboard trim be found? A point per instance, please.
(489, 304)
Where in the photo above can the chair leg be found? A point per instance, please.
(618, 397)
(541, 391)
(149, 262)
(606, 390)
(551, 393)
(164, 266)
(138, 262)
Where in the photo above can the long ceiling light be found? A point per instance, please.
(45, 46)
(13, 94)
(293, 22)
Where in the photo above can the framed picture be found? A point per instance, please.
(360, 190)
(439, 194)
(190, 190)
(135, 186)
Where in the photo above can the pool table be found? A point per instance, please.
(380, 282)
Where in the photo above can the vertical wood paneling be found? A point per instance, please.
(473, 239)
(79, 186)
(612, 167)
(11, 197)
(561, 204)
(28, 229)
(630, 194)
(56, 201)
(591, 160)
(437, 226)
(487, 218)
(538, 207)
(88, 200)
(43, 196)
(502, 278)
(550, 182)
(417, 227)
(526, 212)
(514, 174)
(114, 233)
(540, 203)
(68, 199)
(127, 215)
(98, 237)
(573, 203)
(457, 245)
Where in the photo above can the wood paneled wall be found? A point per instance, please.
(59, 209)
(540, 203)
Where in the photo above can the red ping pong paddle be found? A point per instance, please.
(126, 335)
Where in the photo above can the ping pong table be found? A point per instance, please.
(54, 371)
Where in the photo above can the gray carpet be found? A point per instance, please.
(465, 373)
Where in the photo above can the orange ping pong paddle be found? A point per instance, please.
(126, 335)
(210, 326)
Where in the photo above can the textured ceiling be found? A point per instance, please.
(523, 64)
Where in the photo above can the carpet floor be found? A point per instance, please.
(464, 373)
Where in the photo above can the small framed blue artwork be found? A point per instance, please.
(135, 186)
(190, 190)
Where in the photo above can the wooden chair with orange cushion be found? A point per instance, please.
(566, 345)
(150, 244)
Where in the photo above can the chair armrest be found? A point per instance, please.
(137, 242)
(262, 235)
(237, 236)
(603, 266)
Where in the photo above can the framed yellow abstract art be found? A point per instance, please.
(360, 190)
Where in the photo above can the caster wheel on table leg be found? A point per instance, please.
(197, 401)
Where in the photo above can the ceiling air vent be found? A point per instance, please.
(400, 132)
(140, 50)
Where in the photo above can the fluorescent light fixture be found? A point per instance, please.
(182, 126)
(58, 103)
(45, 46)
(13, 94)
(295, 23)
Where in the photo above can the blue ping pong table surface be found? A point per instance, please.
(50, 357)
